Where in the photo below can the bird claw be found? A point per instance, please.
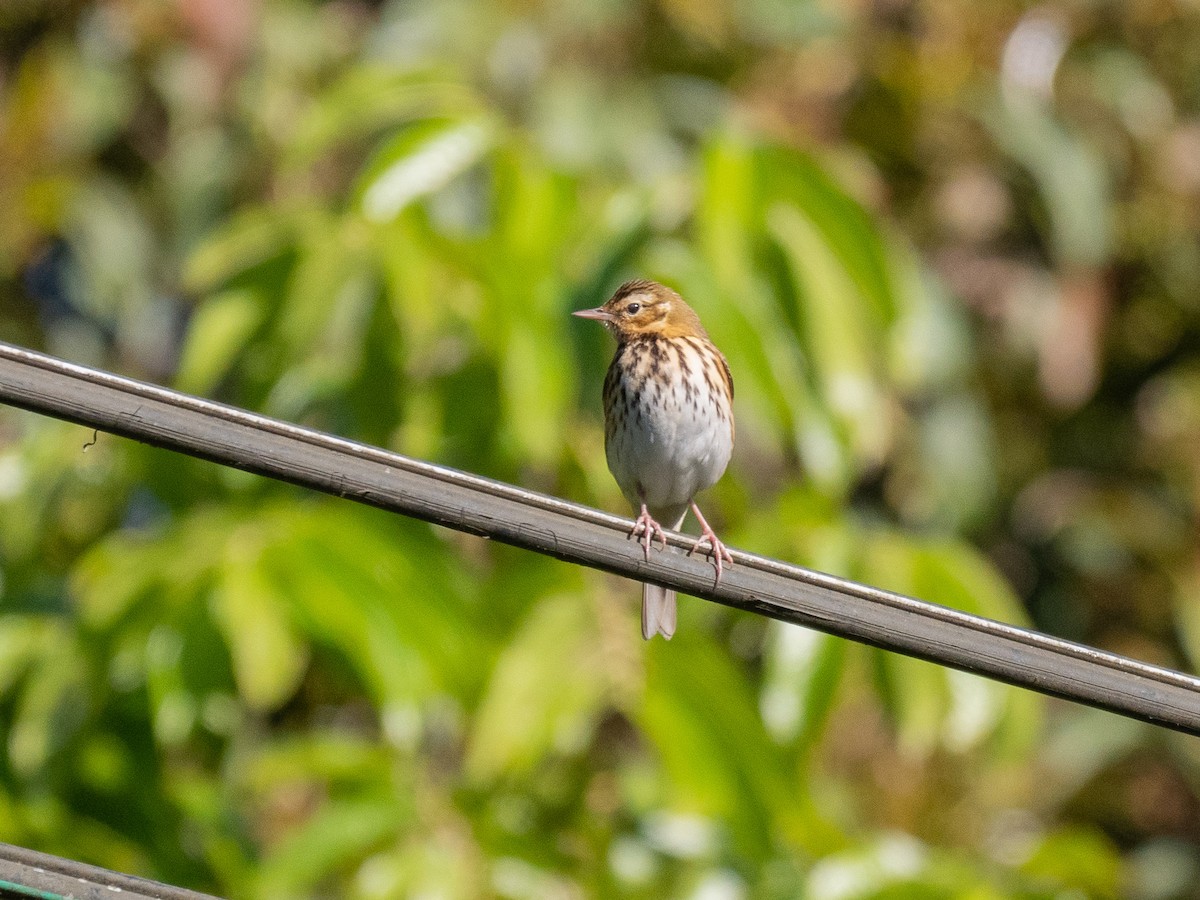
(646, 529)
(714, 549)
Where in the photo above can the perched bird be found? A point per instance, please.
(668, 422)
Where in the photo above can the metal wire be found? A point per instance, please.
(586, 536)
(29, 874)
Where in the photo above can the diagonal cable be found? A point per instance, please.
(39, 876)
(579, 534)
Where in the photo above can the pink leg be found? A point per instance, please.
(647, 529)
(716, 551)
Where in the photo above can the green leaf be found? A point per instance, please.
(804, 668)
(386, 599)
(269, 659)
(340, 834)
(718, 759)
(1081, 859)
(418, 161)
(980, 709)
(333, 757)
(247, 240)
(840, 341)
(323, 587)
(537, 382)
(525, 323)
(23, 640)
(217, 335)
(844, 226)
(1072, 175)
(368, 99)
(534, 706)
(132, 567)
(930, 705)
(773, 388)
(53, 706)
(416, 583)
(956, 575)
(728, 216)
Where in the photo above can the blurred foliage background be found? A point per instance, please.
(950, 250)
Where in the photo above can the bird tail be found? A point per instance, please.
(658, 611)
(658, 603)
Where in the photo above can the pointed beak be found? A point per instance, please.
(600, 314)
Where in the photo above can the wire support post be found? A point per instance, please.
(579, 534)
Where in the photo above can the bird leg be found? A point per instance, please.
(647, 529)
(711, 544)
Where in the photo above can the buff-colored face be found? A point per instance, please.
(640, 312)
(645, 308)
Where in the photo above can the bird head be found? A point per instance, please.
(646, 308)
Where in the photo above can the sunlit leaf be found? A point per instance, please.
(418, 161)
(22, 641)
(840, 340)
(268, 656)
(368, 99)
(915, 693)
(804, 668)
(1070, 174)
(216, 336)
(1080, 859)
(53, 706)
(716, 753)
(534, 707)
(328, 756)
(844, 226)
(245, 241)
(768, 373)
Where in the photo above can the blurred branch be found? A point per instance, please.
(27, 873)
(578, 534)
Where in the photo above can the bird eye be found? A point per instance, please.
(633, 308)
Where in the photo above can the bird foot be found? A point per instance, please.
(711, 546)
(646, 530)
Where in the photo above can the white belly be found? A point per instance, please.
(669, 444)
